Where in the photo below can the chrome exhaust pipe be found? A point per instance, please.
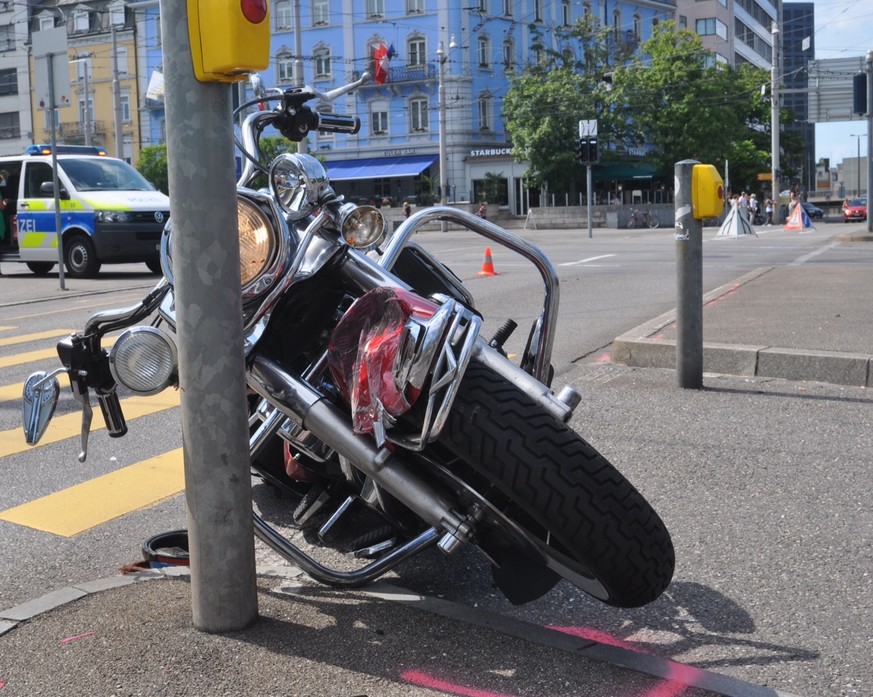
(301, 403)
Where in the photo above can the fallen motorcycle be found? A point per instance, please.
(375, 405)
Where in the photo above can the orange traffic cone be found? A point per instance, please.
(487, 265)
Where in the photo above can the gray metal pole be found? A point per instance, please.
(689, 283)
(869, 134)
(774, 127)
(55, 178)
(590, 185)
(209, 318)
(299, 80)
(116, 96)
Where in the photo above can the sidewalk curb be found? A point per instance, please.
(643, 347)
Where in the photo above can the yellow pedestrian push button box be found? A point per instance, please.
(229, 38)
(707, 192)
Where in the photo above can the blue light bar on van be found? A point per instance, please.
(65, 150)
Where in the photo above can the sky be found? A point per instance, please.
(843, 29)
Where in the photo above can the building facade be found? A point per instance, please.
(16, 128)
(798, 48)
(104, 108)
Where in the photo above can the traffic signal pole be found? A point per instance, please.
(215, 434)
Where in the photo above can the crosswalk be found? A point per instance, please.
(92, 502)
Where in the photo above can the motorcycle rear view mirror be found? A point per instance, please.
(39, 399)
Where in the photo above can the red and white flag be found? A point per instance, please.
(381, 59)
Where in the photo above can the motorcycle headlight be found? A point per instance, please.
(361, 226)
(143, 359)
(264, 244)
(257, 240)
(297, 181)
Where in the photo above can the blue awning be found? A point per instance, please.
(378, 167)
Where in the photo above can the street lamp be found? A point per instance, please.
(442, 57)
(858, 162)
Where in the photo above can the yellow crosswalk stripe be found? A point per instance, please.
(70, 425)
(29, 357)
(37, 336)
(10, 392)
(99, 500)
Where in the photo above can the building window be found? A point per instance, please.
(538, 10)
(414, 7)
(7, 37)
(711, 27)
(507, 8)
(320, 13)
(285, 67)
(379, 119)
(375, 9)
(9, 81)
(125, 107)
(481, 5)
(157, 25)
(83, 66)
(508, 54)
(483, 48)
(82, 114)
(683, 22)
(484, 109)
(638, 26)
(565, 13)
(418, 121)
(116, 16)
(81, 21)
(321, 58)
(9, 125)
(283, 14)
(46, 21)
(416, 49)
(121, 54)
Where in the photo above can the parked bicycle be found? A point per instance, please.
(646, 218)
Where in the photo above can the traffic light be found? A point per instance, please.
(229, 38)
(587, 151)
(593, 153)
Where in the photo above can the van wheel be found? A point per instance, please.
(155, 266)
(40, 268)
(80, 258)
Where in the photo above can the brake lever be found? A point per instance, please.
(80, 392)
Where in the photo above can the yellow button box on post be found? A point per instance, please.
(229, 38)
(707, 192)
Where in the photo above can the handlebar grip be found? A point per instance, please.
(338, 123)
(116, 426)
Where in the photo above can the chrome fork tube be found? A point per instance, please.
(316, 414)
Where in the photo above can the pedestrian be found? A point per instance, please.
(753, 208)
(743, 204)
(768, 208)
(483, 211)
(407, 209)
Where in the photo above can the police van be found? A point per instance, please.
(109, 212)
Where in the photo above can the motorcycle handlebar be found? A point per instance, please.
(337, 123)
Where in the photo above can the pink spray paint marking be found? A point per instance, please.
(417, 677)
(78, 636)
(2, 683)
(673, 686)
(603, 358)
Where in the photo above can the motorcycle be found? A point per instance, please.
(390, 424)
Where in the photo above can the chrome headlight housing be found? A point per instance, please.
(144, 360)
(297, 181)
(361, 226)
(265, 243)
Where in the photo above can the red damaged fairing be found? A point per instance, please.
(365, 350)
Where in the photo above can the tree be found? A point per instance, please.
(545, 102)
(153, 166)
(678, 100)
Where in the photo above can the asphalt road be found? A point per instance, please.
(761, 482)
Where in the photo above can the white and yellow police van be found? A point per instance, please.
(109, 212)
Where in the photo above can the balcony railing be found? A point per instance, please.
(405, 73)
(75, 130)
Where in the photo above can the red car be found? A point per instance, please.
(855, 209)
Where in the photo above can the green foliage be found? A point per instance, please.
(545, 102)
(153, 166)
(671, 95)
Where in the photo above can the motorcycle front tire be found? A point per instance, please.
(588, 523)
